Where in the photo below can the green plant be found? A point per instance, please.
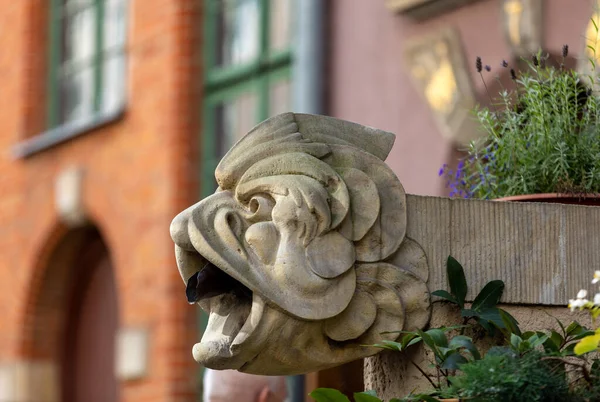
(484, 308)
(542, 135)
(528, 366)
(509, 377)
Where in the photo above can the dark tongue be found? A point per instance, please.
(210, 282)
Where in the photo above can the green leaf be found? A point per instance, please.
(453, 361)
(465, 312)
(371, 392)
(445, 295)
(407, 339)
(515, 341)
(365, 397)
(485, 324)
(414, 341)
(584, 332)
(489, 296)
(428, 340)
(538, 340)
(574, 328)
(385, 344)
(438, 336)
(562, 327)
(457, 280)
(554, 342)
(568, 350)
(328, 395)
(461, 341)
(510, 323)
(587, 344)
(492, 314)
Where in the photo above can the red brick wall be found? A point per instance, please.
(139, 172)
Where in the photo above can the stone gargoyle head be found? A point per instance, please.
(300, 256)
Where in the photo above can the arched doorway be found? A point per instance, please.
(92, 322)
(73, 318)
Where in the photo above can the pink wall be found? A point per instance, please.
(369, 84)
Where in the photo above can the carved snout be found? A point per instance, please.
(179, 230)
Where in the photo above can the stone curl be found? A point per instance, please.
(306, 237)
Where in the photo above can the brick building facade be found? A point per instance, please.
(135, 170)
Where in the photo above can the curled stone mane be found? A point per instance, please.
(311, 220)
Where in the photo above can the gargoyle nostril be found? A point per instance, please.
(179, 231)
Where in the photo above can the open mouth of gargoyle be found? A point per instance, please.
(234, 313)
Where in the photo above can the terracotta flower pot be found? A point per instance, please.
(583, 199)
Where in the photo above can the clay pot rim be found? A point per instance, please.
(542, 196)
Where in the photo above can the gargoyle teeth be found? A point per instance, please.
(210, 281)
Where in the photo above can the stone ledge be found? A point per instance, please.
(544, 253)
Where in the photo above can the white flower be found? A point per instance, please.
(597, 299)
(596, 277)
(582, 293)
(577, 303)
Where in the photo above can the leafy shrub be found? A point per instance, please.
(508, 377)
(542, 135)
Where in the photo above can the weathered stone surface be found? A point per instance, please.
(543, 252)
(304, 242)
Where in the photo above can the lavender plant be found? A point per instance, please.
(542, 135)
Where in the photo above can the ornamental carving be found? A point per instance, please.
(300, 256)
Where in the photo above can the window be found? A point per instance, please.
(248, 63)
(87, 60)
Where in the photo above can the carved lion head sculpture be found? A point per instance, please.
(300, 256)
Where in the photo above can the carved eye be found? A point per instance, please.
(261, 206)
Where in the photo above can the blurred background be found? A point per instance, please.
(114, 114)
